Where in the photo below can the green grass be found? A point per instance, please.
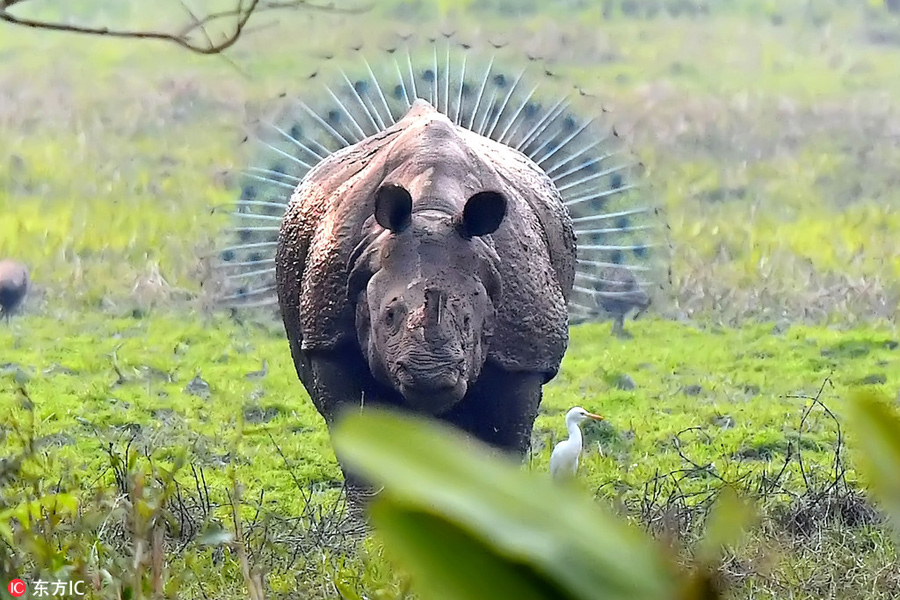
(100, 383)
(81, 402)
(766, 139)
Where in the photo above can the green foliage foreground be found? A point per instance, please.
(154, 456)
(470, 526)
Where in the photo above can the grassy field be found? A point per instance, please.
(771, 135)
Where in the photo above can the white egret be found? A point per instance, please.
(564, 459)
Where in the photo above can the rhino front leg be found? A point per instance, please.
(338, 384)
(500, 409)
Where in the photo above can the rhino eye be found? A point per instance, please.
(390, 316)
(467, 320)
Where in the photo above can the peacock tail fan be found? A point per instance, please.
(492, 89)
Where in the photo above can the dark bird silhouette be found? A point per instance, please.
(14, 283)
(620, 294)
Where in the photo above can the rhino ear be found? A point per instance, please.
(482, 214)
(393, 207)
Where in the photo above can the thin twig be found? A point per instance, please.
(239, 16)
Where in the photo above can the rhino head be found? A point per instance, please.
(425, 283)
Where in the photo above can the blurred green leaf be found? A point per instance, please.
(521, 518)
(34, 510)
(345, 591)
(701, 585)
(876, 425)
(457, 565)
(729, 518)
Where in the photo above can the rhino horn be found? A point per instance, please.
(434, 304)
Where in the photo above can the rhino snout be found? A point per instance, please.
(431, 385)
(429, 373)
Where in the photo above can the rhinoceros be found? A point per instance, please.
(428, 268)
(428, 233)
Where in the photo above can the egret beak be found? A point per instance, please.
(595, 417)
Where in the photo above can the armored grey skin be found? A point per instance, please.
(428, 268)
(14, 283)
(624, 296)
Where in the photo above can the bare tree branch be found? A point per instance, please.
(238, 16)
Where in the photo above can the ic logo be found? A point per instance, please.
(16, 588)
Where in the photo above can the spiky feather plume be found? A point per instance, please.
(619, 229)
